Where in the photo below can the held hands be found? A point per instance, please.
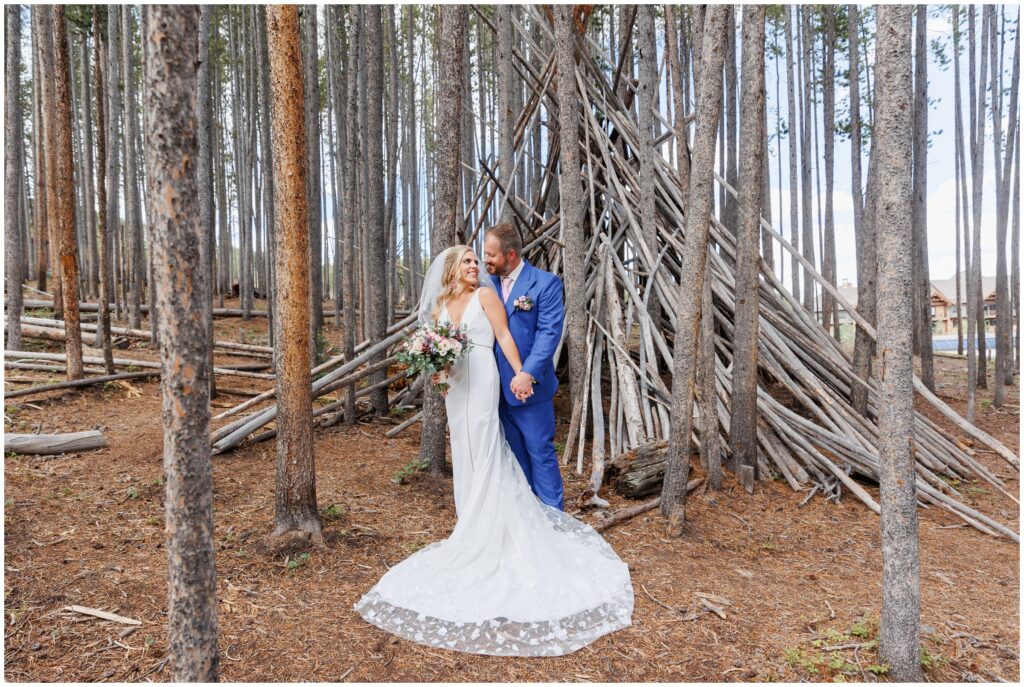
(522, 385)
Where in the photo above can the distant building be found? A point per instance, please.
(946, 313)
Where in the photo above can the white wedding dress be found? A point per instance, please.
(516, 577)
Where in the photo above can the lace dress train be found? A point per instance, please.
(516, 577)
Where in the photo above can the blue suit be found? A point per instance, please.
(530, 426)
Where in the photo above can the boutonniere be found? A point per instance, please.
(524, 303)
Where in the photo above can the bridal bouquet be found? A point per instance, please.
(431, 349)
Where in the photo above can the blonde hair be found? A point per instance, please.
(451, 286)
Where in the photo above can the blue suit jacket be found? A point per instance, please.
(536, 332)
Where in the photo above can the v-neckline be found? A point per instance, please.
(464, 310)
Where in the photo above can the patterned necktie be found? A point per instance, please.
(506, 287)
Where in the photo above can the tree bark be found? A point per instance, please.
(791, 135)
(900, 626)
(13, 177)
(922, 283)
(133, 219)
(806, 219)
(506, 118)
(295, 492)
(376, 259)
(974, 303)
(961, 181)
(103, 169)
(39, 158)
(678, 103)
(830, 312)
(46, 75)
(204, 164)
(867, 266)
(743, 425)
(311, 75)
(647, 93)
(709, 105)
(1004, 319)
(183, 291)
(64, 188)
(447, 224)
(571, 202)
(352, 205)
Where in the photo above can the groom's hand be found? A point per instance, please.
(522, 385)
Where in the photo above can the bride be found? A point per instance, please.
(516, 577)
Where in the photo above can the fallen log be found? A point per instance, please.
(146, 335)
(78, 383)
(43, 333)
(49, 444)
(624, 514)
(123, 362)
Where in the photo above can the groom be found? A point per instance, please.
(533, 303)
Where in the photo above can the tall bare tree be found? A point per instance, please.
(204, 163)
(743, 426)
(922, 282)
(182, 287)
(13, 177)
(791, 135)
(40, 24)
(295, 493)
(447, 224)
(1004, 317)
(64, 187)
(506, 118)
(976, 98)
(311, 76)
(709, 107)
(893, 145)
(376, 312)
(133, 218)
(571, 201)
(830, 312)
(867, 264)
(103, 169)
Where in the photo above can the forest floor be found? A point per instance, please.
(798, 587)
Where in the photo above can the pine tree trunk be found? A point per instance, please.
(806, 221)
(960, 181)
(311, 85)
(791, 134)
(267, 165)
(678, 101)
(91, 258)
(295, 492)
(13, 178)
(830, 312)
(900, 626)
(743, 425)
(975, 353)
(377, 308)
(647, 94)
(64, 188)
(39, 157)
(112, 162)
(1004, 354)
(571, 202)
(171, 45)
(133, 220)
(103, 169)
(204, 164)
(864, 345)
(709, 106)
(352, 205)
(922, 282)
(506, 118)
(447, 225)
(47, 73)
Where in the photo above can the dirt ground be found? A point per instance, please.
(798, 588)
